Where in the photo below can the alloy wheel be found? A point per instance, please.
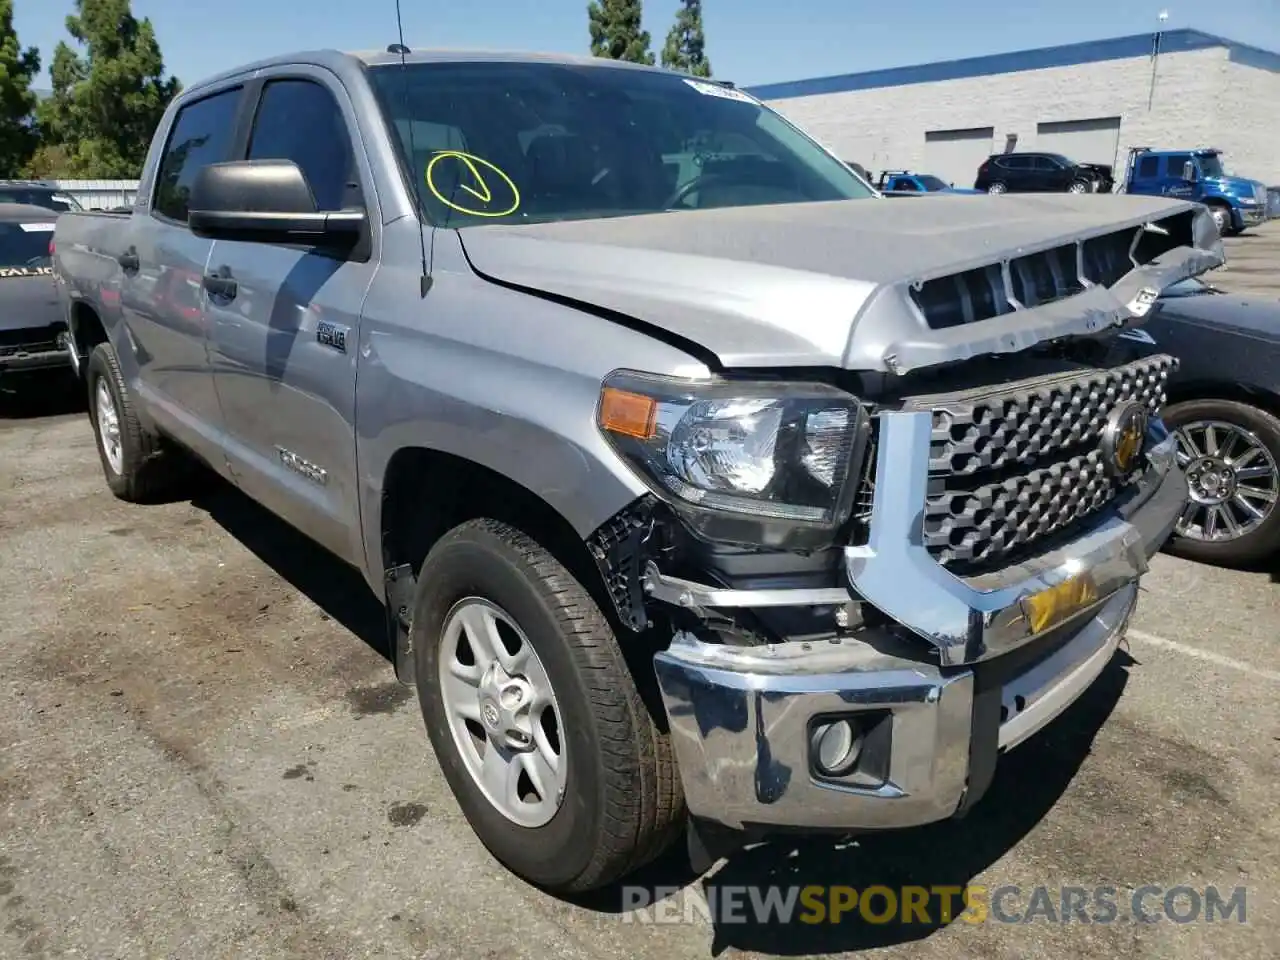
(502, 712)
(109, 426)
(1232, 481)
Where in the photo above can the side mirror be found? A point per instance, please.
(1189, 172)
(266, 201)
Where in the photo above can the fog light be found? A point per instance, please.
(836, 747)
(62, 340)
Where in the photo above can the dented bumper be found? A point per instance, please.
(931, 718)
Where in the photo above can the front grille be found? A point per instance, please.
(31, 340)
(1044, 276)
(1015, 466)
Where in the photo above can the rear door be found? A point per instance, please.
(161, 262)
(284, 342)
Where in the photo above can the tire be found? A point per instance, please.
(1078, 186)
(1257, 542)
(996, 188)
(622, 801)
(1221, 219)
(137, 465)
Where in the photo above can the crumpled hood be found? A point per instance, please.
(784, 285)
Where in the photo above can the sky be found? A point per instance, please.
(748, 41)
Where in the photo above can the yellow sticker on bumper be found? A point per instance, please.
(1048, 608)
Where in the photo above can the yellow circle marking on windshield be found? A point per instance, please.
(478, 187)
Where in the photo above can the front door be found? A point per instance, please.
(284, 325)
(1171, 181)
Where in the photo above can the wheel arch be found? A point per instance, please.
(86, 330)
(427, 492)
(1208, 389)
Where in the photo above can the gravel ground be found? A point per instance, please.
(203, 753)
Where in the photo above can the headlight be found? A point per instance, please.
(772, 451)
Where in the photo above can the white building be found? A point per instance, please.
(1091, 101)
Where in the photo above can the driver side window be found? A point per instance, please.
(299, 120)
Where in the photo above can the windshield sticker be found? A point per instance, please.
(6, 272)
(474, 186)
(38, 227)
(715, 90)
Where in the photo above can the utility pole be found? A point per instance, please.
(1155, 57)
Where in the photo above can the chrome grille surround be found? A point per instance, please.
(1013, 466)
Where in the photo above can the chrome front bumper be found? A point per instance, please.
(741, 718)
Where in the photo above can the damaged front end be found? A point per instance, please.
(874, 584)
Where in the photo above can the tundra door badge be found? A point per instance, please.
(332, 335)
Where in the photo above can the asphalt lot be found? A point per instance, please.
(204, 754)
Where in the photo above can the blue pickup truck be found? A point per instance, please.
(1235, 202)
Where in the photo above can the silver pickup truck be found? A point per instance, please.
(702, 485)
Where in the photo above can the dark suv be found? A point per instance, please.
(1041, 173)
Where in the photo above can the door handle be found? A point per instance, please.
(129, 261)
(220, 283)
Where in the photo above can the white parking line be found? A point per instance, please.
(1207, 655)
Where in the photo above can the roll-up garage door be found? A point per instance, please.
(955, 155)
(1084, 141)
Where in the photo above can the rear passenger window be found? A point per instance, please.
(299, 120)
(1149, 166)
(201, 135)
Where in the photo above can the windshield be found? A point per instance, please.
(1211, 165)
(504, 142)
(39, 198)
(932, 183)
(25, 244)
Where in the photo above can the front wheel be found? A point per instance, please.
(1078, 186)
(1221, 219)
(1229, 452)
(534, 716)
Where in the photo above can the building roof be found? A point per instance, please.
(1068, 55)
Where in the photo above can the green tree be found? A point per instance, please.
(18, 68)
(107, 101)
(686, 47)
(615, 31)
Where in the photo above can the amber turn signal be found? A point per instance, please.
(630, 414)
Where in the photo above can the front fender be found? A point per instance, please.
(499, 378)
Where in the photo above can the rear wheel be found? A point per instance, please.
(534, 716)
(996, 188)
(137, 464)
(1230, 453)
